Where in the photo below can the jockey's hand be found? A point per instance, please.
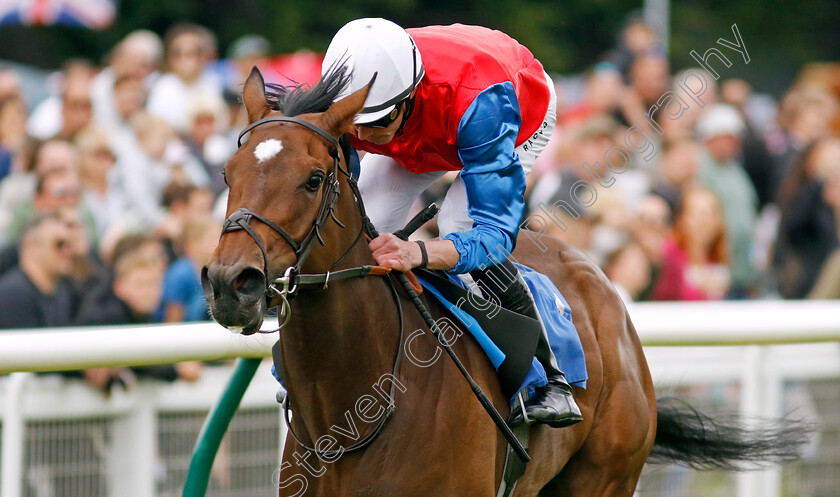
(390, 251)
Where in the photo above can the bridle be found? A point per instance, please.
(241, 218)
(292, 280)
(285, 287)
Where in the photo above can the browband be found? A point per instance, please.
(332, 141)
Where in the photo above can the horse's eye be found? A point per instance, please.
(315, 181)
(224, 177)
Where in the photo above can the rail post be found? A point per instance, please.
(216, 425)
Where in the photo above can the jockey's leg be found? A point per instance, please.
(388, 191)
(553, 404)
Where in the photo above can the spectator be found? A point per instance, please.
(183, 297)
(76, 107)
(685, 125)
(243, 54)
(132, 299)
(182, 202)
(678, 170)
(37, 293)
(591, 139)
(101, 193)
(720, 128)
(810, 205)
(629, 271)
(602, 95)
(696, 258)
(188, 48)
(637, 37)
(135, 58)
(237, 116)
(9, 84)
(605, 198)
(650, 227)
(18, 189)
(560, 224)
(758, 163)
(806, 115)
(12, 135)
(150, 247)
(144, 175)
(47, 120)
(207, 115)
(585, 162)
(648, 82)
(129, 101)
(54, 190)
(134, 294)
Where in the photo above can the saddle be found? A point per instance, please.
(514, 352)
(516, 349)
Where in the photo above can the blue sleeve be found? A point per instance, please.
(492, 175)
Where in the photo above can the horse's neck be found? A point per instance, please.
(340, 342)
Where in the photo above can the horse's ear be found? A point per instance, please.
(338, 119)
(253, 95)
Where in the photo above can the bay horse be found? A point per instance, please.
(374, 412)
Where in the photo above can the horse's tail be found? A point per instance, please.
(688, 437)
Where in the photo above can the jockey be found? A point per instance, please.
(454, 98)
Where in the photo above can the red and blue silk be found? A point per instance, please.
(483, 95)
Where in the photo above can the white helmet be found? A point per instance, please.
(375, 45)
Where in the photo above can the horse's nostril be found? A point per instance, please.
(207, 284)
(250, 282)
(234, 283)
(239, 282)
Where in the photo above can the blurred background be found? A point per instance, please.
(566, 36)
(116, 119)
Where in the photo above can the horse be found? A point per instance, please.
(377, 410)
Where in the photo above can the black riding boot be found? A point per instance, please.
(554, 403)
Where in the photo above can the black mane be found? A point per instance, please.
(303, 99)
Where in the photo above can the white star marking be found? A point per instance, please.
(267, 149)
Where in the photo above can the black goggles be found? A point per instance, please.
(386, 120)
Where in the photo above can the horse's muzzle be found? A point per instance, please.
(236, 295)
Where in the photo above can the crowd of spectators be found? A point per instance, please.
(108, 187)
(111, 193)
(734, 199)
(111, 197)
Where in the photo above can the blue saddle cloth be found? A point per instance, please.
(557, 319)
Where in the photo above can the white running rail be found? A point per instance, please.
(686, 343)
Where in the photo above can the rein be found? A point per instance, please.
(386, 416)
(286, 286)
(293, 281)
